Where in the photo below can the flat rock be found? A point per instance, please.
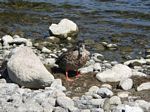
(144, 86)
(117, 73)
(27, 70)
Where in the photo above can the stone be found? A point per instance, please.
(104, 92)
(85, 70)
(106, 86)
(97, 110)
(143, 104)
(6, 40)
(65, 28)
(112, 46)
(106, 105)
(57, 84)
(144, 86)
(97, 102)
(46, 50)
(57, 93)
(117, 73)
(8, 88)
(97, 67)
(27, 70)
(47, 108)
(50, 62)
(2, 81)
(115, 100)
(97, 57)
(49, 101)
(60, 109)
(127, 108)
(65, 102)
(31, 106)
(123, 94)
(136, 62)
(64, 49)
(20, 40)
(137, 73)
(86, 110)
(126, 84)
(93, 89)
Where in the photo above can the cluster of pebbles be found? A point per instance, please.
(18, 96)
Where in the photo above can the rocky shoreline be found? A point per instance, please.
(27, 86)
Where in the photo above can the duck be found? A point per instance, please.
(73, 59)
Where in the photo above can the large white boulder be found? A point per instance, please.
(26, 69)
(117, 73)
(64, 28)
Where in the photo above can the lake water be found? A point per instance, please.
(123, 22)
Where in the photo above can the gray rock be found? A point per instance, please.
(104, 92)
(27, 70)
(144, 86)
(106, 86)
(57, 84)
(39, 97)
(49, 101)
(143, 104)
(50, 62)
(65, 28)
(86, 110)
(87, 69)
(115, 100)
(93, 89)
(123, 94)
(6, 40)
(60, 109)
(137, 73)
(65, 102)
(46, 50)
(126, 84)
(20, 40)
(136, 62)
(8, 88)
(107, 105)
(97, 67)
(97, 102)
(117, 73)
(57, 93)
(127, 108)
(2, 81)
(47, 108)
(97, 57)
(97, 110)
(31, 106)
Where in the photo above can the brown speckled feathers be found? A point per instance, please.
(73, 58)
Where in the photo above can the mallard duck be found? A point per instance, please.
(73, 59)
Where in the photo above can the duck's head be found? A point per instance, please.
(81, 48)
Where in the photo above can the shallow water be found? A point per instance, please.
(123, 22)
